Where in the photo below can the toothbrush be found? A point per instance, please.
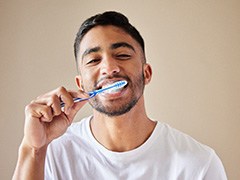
(116, 85)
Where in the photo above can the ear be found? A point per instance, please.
(78, 80)
(147, 71)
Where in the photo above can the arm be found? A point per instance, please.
(30, 163)
(44, 122)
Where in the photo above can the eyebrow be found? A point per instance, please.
(122, 44)
(90, 50)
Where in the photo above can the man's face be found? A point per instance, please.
(108, 54)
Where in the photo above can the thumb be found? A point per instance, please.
(74, 109)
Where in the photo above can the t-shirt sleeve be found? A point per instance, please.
(215, 169)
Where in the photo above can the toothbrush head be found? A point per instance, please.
(119, 84)
(114, 86)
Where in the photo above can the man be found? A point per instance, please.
(118, 141)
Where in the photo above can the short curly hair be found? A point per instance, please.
(107, 18)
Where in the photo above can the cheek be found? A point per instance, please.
(136, 76)
(89, 79)
(136, 70)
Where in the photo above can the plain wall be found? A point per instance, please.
(193, 47)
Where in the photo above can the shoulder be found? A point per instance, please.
(183, 156)
(180, 140)
(184, 147)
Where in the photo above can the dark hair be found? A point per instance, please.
(107, 18)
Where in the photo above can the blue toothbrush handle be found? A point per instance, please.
(91, 95)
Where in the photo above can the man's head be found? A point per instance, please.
(104, 19)
(107, 53)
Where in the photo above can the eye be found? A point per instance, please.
(123, 56)
(93, 61)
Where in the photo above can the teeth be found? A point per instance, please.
(113, 90)
(106, 86)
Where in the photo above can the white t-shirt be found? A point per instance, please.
(167, 155)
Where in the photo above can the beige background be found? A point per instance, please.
(193, 46)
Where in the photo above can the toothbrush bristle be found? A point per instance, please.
(116, 85)
(120, 84)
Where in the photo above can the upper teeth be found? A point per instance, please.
(105, 86)
(111, 90)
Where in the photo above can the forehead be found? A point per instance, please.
(104, 36)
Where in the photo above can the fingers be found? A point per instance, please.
(54, 98)
(54, 104)
(53, 101)
(45, 120)
(42, 112)
(71, 112)
(65, 97)
(75, 108)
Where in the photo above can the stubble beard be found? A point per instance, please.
(122, 107)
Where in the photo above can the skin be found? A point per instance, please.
(100, 63)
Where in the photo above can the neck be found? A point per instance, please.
(125, 132)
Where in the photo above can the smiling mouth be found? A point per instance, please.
(112, 90)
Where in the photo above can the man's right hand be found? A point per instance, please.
(45, 120)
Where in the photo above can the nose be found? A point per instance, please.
(109, 66)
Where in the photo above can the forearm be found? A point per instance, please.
(30, 165)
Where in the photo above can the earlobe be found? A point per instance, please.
(147, 73)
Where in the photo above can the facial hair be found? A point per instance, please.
(136, 85)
